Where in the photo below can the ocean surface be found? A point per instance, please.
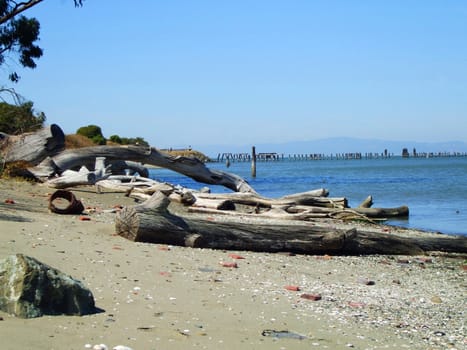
(434, 189)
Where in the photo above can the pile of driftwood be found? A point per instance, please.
(309, 223)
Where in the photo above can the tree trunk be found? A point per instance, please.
(191, 167)
(32, 147)
(160, 221)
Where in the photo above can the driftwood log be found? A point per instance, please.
(191, 167)
(160, 220)
(32, 147)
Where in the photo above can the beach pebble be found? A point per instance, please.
(229, 264)
(366, 281)
(121, 347)
(292, 288)
(9, 201)
(100, 347)
(314, 297)
(236, 256)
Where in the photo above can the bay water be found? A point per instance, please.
(434, 189)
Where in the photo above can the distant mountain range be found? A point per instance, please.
(339, 145)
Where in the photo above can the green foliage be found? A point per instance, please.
(92, 132)
(134, 141)
(19, 119)
(116, 139)
(99, 140)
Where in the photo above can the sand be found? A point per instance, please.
(167, 297)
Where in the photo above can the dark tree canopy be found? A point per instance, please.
(18, 34)
(16, 120)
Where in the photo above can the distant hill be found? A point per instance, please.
(339, 145)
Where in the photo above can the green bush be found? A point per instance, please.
(92, 132)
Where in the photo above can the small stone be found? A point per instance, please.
(292, 288)
(436, 300)
(366, 281)
(229, 264)
(314, 297)
(356, 304)
(236, 256)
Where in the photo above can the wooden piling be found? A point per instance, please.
(253, 162)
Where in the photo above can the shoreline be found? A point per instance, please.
(156, 296)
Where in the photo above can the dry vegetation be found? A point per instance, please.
(187, 153)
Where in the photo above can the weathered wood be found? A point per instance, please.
(32, 147)
(310, 198)
(367, 202)
(380, 213)
(402, 211)
(160, 221)
(72, 178)
(191, 167)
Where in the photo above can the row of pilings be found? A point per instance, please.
(272, 156)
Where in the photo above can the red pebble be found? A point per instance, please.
(229, 264)
(356, 304)
(236, 256)
(292, 288)
(9, 201)
(313, 297)
(84, 218)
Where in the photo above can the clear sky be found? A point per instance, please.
(202, 72)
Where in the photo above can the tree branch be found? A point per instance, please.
(23, 6)
(19, 8)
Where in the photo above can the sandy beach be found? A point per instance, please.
(167, 297)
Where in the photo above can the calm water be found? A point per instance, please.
(434, 189)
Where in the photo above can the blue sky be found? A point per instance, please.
(240, 72)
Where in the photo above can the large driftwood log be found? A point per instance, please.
(158, 220)
(191, 167)
(32, 147)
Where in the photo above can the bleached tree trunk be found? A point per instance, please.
(32, 147)
(191, 167)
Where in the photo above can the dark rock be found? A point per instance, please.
(29, 288)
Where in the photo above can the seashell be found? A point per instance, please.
(121, 347)
(100, 347)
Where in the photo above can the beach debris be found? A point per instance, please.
(356, 304)
(29, 288)
(313, 297)
(84, 218)
(366, 281)
(9, 201)
(121, 347)
(292, 288)
(282, 334)
(100, 347)
(229, 264)
(74, 205)
(236, 256)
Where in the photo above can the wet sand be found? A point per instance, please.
(159, 297)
